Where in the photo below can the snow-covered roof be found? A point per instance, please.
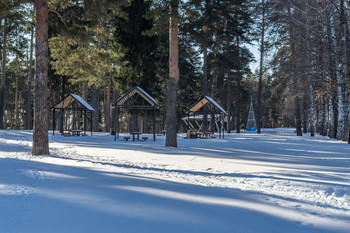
(203, 101)
(121, 100)
(69, 99)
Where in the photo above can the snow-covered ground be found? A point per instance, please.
(273, 182)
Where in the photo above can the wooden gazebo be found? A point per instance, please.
(75, 103)
(206, 105)
(130, 101)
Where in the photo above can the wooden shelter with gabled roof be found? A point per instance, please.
(206, 105)
(72, 102)
(136, 98)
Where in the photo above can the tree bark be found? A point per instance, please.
(261, 72)
(205, 64)
(3, 71)
(304, 112)
(339, 80)
(114, 112)
(171, 123)
(298, 117)
(344, 73)
(332, 79)
(28, 123)
(229, 102)
(107, 106)
(84, 94)
(95, 101)
(40, 129)
(16, 105)
(310, 80)
(216, 64)
(238, 98)
(205, 84)
(295, 87)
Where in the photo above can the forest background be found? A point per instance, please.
(101, 49)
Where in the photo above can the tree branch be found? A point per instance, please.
(59, 16)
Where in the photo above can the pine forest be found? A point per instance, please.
(289, 57)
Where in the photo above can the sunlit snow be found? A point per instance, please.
(273, 182)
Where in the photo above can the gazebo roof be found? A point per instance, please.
(63, 104)
(203, 101)
(136, 90)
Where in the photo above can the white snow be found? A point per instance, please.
(273, 182)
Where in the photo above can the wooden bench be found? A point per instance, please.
(144, 138)
(126, 138)
(66, 134)
(76, 132)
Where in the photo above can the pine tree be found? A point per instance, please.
(171, 124)
(3, 73)
(137, 47)
(40, 129)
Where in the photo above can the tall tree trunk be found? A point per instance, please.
(238, 98)
(298, 116)
(205, 84)
(304, 112)
(323, 117)
(312, 108)
(16, 105)
(95, 101)
(332, 79)
(344, 70)
(114, 112)
(261, 71)
(322, 69)
(61, 119)
(339, 80)
(40, 129)
(205, 64)
(11, 119)
(107, 106)
(3, 71)
(28, 123)
(310, 81)
(216, 64)
(171, 126)
(293, 63)
(84, 94)
(229, 102)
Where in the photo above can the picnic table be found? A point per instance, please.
(76, 132)
(192, 134)
(137, 134)
(206, 134)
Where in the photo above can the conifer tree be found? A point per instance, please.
(40, 129)
(171, 123)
